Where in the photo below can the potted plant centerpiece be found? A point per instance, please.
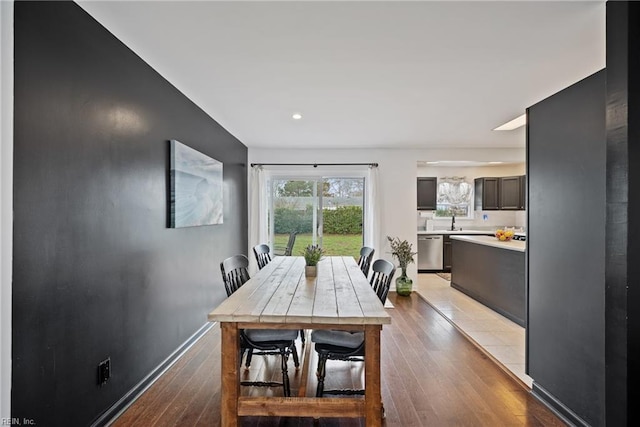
(401, 250)
(312, 255)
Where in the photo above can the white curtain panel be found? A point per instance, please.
(257, 214)
(454, 190)
(372, 212)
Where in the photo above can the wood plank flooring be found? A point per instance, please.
(431, 376)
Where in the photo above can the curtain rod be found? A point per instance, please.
(315, 165)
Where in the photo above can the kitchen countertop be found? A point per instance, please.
(513, 245)
(456, 232)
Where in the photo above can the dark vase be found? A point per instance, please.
(404, 285)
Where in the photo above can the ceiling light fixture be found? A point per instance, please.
(496, 163)
(296, 116)
(514, 124)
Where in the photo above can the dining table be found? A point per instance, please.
(281, 296)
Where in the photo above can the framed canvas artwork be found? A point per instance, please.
(196, 187)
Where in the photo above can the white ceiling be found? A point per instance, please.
(418, 74)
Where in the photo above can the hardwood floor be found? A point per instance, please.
(431, 376)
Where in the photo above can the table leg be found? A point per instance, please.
(372, 393)
(230, 381)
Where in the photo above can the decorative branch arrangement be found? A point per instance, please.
(401, 250)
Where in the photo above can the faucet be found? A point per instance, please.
(453, 222)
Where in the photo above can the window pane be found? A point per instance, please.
(452, 210)
(327, 211)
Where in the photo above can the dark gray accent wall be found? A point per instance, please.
(566, 160)
(96, 271)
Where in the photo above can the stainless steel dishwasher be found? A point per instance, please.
(430, 252)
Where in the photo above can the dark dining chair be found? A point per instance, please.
(382, 272)
(235, 272)
(262, 255)
(287, 250)
(259, 341)
(346, 345)
(366, 255)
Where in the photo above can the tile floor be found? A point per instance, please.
(498, 336)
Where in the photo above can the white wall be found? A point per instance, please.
(472, 172)
(397, 175)
(6, 201)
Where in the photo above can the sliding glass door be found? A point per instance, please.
(326, 211)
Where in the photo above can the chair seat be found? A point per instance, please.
(264, 335)
(345, 345)
(338, 338)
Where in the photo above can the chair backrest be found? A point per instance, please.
(366, 255)
(292, 240)
(234, 272)
(382, 273)
(262, 255)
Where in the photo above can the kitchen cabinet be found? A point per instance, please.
(487, 194)
(446, 253)
(427, 193)
(500, 193)
(510, 197)
(523, 192)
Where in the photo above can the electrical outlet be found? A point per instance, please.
(104, 371)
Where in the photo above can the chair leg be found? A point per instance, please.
(241, 355)
(247, 362)
(285, 371)
(302, 336)
(322, 370)
(294, 354)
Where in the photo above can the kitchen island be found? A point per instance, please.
(491, 272)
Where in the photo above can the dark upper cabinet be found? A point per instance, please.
(487, 194)
(523, 192)
(427, 193)
(500, 193)
(510, 197)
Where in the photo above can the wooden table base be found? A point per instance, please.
(234, 406)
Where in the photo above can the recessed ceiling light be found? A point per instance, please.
(296, 116)
(496, 163)
(432, 163)
(514, 124)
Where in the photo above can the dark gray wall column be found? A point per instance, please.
(96, 271)
(566, 152)
(623, 207)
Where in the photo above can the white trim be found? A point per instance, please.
(6, 202)
(151, 378)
